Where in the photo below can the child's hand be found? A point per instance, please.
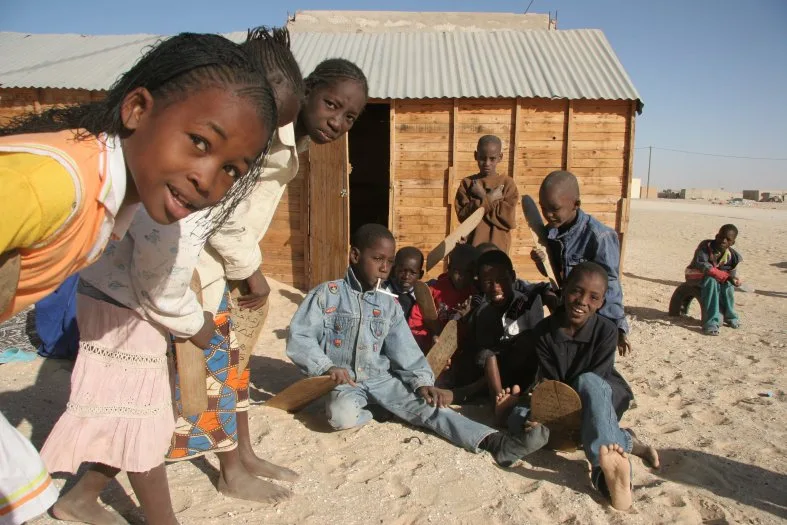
(624, 346)
(539, 256)
(259, 290)
(436, 397)
(477, 190)
(202, 338)
(340, 375)
(736, 282)
(496, 194)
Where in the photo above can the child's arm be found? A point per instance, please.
(502, 213)
(607, 254)
(407, 360)
(304, 342)
(466, 202)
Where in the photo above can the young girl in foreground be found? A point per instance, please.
(188, 122)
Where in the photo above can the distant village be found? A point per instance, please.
(638, 191)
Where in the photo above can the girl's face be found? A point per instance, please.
(185, 154)
(330, 110)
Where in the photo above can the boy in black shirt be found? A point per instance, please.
(577, 346)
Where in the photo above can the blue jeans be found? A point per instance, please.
(599, 420)
(345, 409)
(56, 322)
(718, 299)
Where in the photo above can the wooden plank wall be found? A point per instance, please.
(284, 247)
(16, 101)
(589, 138)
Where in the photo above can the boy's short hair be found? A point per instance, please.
(588, 268)
(564, 180)
(489, 139)
(410, 252)
(463, 255)
(486, 247)
(495, 258)
(728, 228)
(366, 235)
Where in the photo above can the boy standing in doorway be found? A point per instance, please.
(495, 193)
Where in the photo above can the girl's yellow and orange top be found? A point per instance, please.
(56, 196)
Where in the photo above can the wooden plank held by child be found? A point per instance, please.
(425, 301)
(298, 395)
(449, 243)
(191, 368)
(440, 354)
(246, 323)
(539, 233)
(10, 265)
(558, 407)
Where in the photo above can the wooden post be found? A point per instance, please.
(625, 205)
(453, 221)
(569, 125)
(392, 168)
(515, 135)
(306, 221)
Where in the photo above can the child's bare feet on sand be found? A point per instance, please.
(74, 509)
(259, 467)
(247, 487)
(615, 465)
(506, 400)
(645, 452)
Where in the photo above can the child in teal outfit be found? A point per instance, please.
(714, 266)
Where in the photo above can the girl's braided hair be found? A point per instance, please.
(333, 70)
(269, 50)
(172, 69)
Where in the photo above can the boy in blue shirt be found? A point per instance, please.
(355, 332)
(573, 237)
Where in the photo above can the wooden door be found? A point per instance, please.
(329, 211)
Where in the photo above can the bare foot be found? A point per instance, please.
(504, 402)
(259, 467)
(247, 487)
(645, 452)
(615, 465)
(73, 509)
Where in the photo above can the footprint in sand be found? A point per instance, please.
(712, 513)
(396, 488)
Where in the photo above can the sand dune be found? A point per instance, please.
(697, 398)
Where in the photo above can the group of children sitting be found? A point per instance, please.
(373, 340)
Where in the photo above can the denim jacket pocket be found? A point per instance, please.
(337, 329)
(379, 328)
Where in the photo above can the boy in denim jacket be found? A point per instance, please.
(573, 237)
(356, 333)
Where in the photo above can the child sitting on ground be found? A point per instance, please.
(408, 268)
(499, 326)
(451, 293)
(576, 346)
(713, 267)
(495, 193)
(354, 332)
(574, 236)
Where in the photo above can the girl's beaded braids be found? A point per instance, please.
(175, 67)
(269, 50)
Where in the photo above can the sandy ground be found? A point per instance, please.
(698, 399)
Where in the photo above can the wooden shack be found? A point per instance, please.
(557, 99)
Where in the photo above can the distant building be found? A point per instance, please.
(751, 195)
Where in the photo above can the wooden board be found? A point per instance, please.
(441, 353)
(539, 233)
(558, 407)
(10, 264)
(425, 301)
(246, 323)
(300, 394)
(191, 369)
(449, 243)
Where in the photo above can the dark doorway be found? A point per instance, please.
(370, 155)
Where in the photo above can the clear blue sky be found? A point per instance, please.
(712, 73)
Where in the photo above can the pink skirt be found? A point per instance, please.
(120, 410)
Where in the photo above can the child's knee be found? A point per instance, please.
(343, 414)
(588, 382)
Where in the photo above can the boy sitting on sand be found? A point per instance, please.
(408, 268)
(355, 332)
(495, 193)
(499, 327)
(714, 266)
(576, 346)
(574, 236)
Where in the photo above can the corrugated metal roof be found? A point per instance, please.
(571, 64)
